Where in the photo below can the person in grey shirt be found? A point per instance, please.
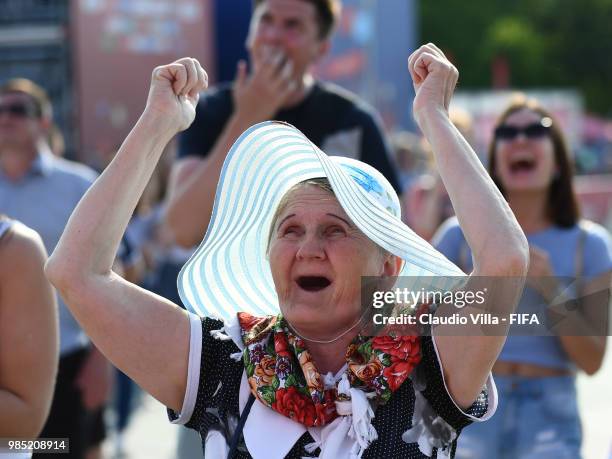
(41, 190)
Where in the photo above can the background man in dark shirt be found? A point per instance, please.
(286, 37)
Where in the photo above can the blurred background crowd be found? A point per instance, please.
(93, 57)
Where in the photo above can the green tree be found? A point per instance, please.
(547, 43)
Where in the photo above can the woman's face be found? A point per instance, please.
(525, 162)
(317, 258)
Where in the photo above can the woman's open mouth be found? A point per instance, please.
(313, 283)
(522, 165)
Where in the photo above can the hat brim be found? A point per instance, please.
(230, 273)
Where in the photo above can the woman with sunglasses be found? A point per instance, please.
(538, 414)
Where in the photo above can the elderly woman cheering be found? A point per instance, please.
(287, 368)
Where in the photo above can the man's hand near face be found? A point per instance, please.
(284, 41)
(286, 38)
(257, 97)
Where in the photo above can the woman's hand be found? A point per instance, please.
(434, 79)
(174, 93)
(540, 276)
(539, 263)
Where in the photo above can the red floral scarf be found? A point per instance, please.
(282, 375)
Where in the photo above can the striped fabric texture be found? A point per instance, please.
(230, 273)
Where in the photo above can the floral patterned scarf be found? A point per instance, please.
(282, 375)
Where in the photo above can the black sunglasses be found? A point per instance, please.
(531, 131)
(18, 110)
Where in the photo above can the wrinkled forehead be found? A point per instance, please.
(309, 198)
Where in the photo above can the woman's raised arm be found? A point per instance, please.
(143, 334)
(498, 244)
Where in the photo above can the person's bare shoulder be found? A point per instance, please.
(20, 246)
(28, 333)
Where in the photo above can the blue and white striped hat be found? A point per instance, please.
(230, 273)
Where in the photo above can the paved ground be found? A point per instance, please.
(151, 436)
(595, 394)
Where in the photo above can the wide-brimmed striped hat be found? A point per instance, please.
(230, 273)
